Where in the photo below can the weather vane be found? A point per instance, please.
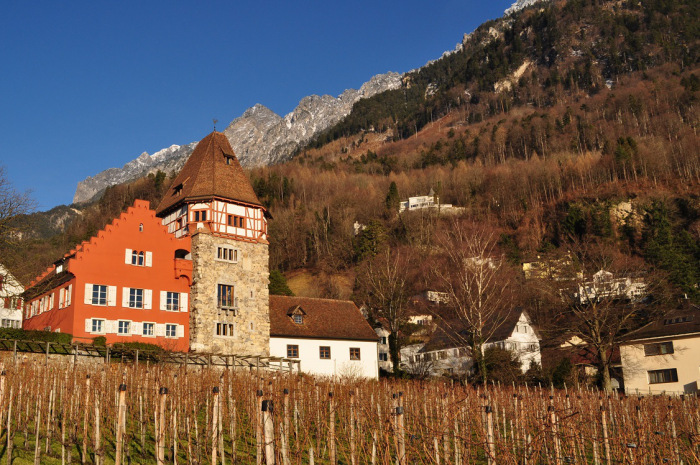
(215, 121)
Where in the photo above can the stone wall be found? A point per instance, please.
(250, 278)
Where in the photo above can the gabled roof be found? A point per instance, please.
(212, 171)
(323, 319)
(452, 334)
(680, 322)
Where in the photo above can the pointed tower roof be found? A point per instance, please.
(211, 171)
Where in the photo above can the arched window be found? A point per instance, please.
(140, 227)
(137, 258)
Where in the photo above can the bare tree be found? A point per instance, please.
(384, 284)
(479, 284)
(12, 204)
(607, 295)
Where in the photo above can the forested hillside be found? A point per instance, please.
(566, 121)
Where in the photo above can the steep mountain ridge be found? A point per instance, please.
(259, 136)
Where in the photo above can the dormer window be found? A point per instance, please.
(228, 159)
(297, 315)
(177, 190)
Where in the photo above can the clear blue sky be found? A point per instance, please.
(89, 85)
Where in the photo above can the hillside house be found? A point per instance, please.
(664, 356)
(328, 337)
(383, 348)
(10, 300)
(422, 202)
(448, 354)
(605, 286)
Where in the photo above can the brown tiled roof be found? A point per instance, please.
(323, 319)
(206, 175)
(679, 322)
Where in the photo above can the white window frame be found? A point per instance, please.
(134, 298)
(172, 326)
(96, 288)
(119, 327)
(153, 329)
(103, 325)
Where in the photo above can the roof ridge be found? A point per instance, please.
(313, 298)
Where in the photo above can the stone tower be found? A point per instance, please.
(212, 201)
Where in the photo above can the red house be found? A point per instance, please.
(129, 283)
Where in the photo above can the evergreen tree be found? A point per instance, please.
(393, 200)
(278, 284)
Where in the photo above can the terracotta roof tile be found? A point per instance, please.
(212, 170)
(322, 319)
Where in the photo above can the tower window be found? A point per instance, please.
(228, 159)
(200, 215)
(228, 254)
(224, 329)
(140, 227)
(224, 296)
(236, 221)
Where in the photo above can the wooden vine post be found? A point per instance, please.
(491, 453)
(268, 432)
(258, 429)
(331, 430)
(160, 435)
(215, 424)
(121, 419)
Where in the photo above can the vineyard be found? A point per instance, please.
(147, 413)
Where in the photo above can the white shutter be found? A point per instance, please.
(160, 329)
(136, 328)
(163, 300)
(112, 296)
(88, 294)
(69, 300)
(149, 258)
(180, 331)
(147, 299)
(125, 297)
(127, 256)
(88, 325)
(183, 301)
(111, 326)
(61, 292)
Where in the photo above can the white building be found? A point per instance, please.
(328, 337)
(10, 300)
(383, 348)
(447, 353)
(664, 356)
(420, 202)
(605, 286)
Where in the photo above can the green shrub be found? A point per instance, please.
(38, 336)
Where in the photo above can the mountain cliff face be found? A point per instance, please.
(168, 160)
(259, 136)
